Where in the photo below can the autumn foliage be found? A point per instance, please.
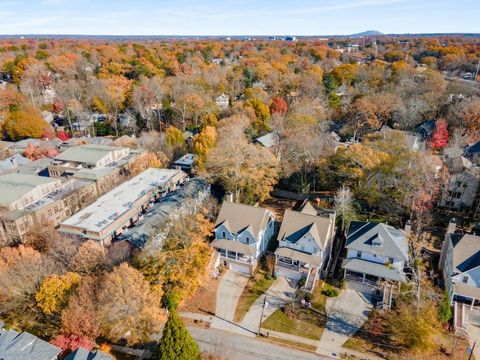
(439, 138)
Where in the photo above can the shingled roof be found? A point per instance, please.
(377, 238)
(25, 346)
(238, 217)
(466, 252)
(296, 224)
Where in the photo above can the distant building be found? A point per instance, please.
(28, 201)
(86, 157)
(113, 213)
(185, 163)
(269, 140)
(25, 346)
(242, 233)
(222, 101)
(290, 38)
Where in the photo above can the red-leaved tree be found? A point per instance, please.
(71, 342)
(439, 138)
(278, 106)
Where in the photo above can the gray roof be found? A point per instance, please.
(25, 346)
(296, 224)
(377, 238)
(268, 140)
(84, 354)
(466, 252)
(233, 245)
(12, 162)
(163, 210)
(299, 255)
(14, 186)
(90, 153)
(238, 217)
(374, 269)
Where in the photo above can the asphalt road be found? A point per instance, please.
(238, 347)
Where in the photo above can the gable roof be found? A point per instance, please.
(362, 235)
(25, 346)
(268, 140)
(238, 217)
(466, 252)
(296, 224)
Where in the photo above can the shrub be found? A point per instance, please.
(301, 282)
(330, 292)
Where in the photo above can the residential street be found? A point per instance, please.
(346, 314)
(237, 347)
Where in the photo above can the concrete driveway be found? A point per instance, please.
(345, 315)
(228, 292)
(278, 294)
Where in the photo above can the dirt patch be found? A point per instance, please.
(278, 206)
(205, 298)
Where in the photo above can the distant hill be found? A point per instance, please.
(369, 33)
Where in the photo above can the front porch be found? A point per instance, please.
(237, 256)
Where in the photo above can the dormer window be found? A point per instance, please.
(224, 235)
(465, 279)
(247, 240)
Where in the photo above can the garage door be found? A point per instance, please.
(240, 268)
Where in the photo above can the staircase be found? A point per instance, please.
(312, 276)
(459, 316)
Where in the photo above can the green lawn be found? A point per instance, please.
(319, 300)
(308, 324)
(254, 289)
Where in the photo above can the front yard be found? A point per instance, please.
(304, 322)
(372, 340)
(255, 287)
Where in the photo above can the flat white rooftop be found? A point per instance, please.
(115, 203)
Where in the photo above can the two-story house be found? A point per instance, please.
(460, 264)
(242, 233)
(304, 244)
(375, 252)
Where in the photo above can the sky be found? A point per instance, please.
(237, 17)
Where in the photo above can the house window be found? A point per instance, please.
(374, 255)
(390, 260)
(359, 254)
(465, 279)
(247, 240)
(223, 235)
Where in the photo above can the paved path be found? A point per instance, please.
(229, 290)
(345, 315)
(237, 347)
(278, 294)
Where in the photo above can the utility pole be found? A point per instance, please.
(471, 351)
(264, 306)
(476, 72)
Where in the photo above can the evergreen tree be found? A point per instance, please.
(176, 343)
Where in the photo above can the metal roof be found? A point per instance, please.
(90, 153)
(115, 203)
(14, 186)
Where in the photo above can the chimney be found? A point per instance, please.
(229, 196)
(408, 228)
(452, 226)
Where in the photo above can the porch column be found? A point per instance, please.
(363, 278)
(471, 305)
(226, 253)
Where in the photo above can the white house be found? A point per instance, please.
(222, 101)
(375, 252)
(242, 233)
(304, 244)
(460, 264)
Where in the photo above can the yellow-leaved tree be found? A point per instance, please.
(54, 291)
